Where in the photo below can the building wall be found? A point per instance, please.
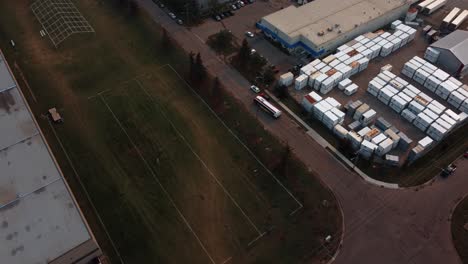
(448, 62)
(82, 254)
(329, 47)
(373, 25)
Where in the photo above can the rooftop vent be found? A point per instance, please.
(330, 29)
(320, 33)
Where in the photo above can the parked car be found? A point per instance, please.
(241, 3)
(255, 89)
(217, 18)
(234, 7)
(231, 12)
(221, 15)
(238, 5)
(465, 154)
(161, 5)
(172, 15)
(252, 51)
(250, 1)
(179, 21)
(449, 170)
(227, 14)
(249, 34)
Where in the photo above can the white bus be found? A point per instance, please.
(265, 105)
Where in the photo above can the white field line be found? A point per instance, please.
(157, 180)
(199, 158)
(227, 260)
(86, 192)
(300, 205)
(256, 239)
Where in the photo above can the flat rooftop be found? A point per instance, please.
(319, 15)
(39, 219)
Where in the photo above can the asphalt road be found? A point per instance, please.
(381, 225)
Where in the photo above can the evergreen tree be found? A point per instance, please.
(244, 53)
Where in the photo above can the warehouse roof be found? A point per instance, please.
(330, 17)
(39, 219)
(457, 43)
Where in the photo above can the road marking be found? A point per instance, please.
(157, 179)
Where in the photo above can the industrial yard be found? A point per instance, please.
(344, 93)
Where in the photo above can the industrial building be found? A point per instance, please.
(453, 53)
(40, 221)
(321, 26)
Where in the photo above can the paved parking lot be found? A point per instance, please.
(244, 20)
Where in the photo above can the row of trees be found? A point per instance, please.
(129, 6)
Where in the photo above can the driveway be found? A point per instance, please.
(381, 225)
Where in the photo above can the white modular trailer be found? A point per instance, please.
(436, 107)
(430, 114)
(393, 136)
(310, 100)
(450, 17)
(327, 85)
(424, 4)
(409, 69)
(445, 89)
(318, 81)
(354, 139)
(360, 111)
(408, 115)
(458, 20)
(444, 124)
(422, 121)
(320, 108)
(434, 6)
(416, 107)
(384, 147)
(395, 23)
(426, 142)
(364, 131)
(386, 94)
(456, 98)
(436, 131)
(432, 83)
(333, 102)
(421, 75)
(351, 89)
(379, 138)
(431, 54)
(301, 82)
(397, 103)
(368, 117)
(330, 120)
(344, 83)
(313, 77)
(286, 79)
(367, 149)
(374, 87)
(453, 115)
(340, 114)
(340, 131)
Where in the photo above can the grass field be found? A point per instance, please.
(460, 229)
(159, 176)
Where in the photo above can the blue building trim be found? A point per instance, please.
(287, 45)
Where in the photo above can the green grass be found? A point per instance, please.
(459, 232)
(136, 166)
